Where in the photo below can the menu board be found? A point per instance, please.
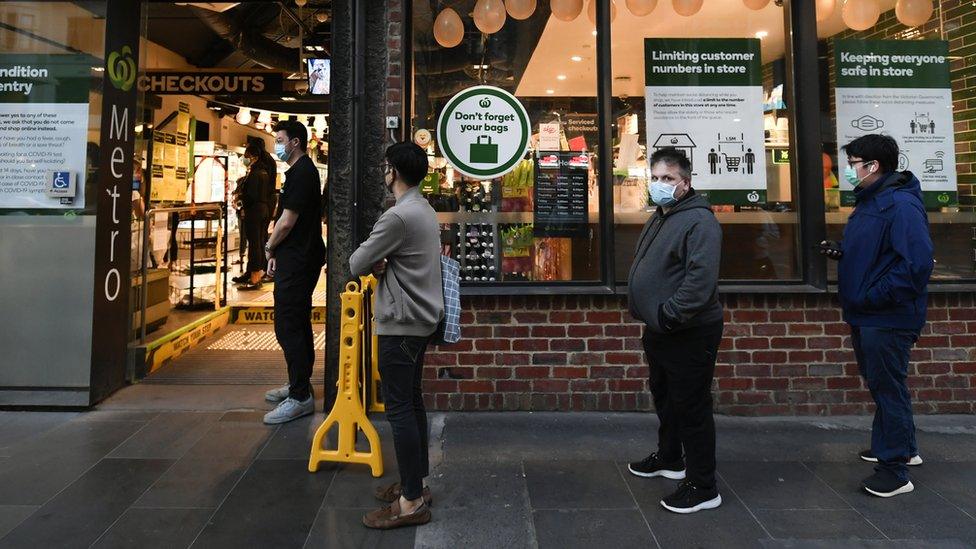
(561, 197)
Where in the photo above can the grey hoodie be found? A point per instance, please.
(409, 298)
(673, 282)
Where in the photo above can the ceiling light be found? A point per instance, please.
(482, 67)
(550, 92)
(287, 98)
(98, 69)
(309, 48)
(594, 33)
(243, 116)
(561, 77)
(762, 34)
(576, 58)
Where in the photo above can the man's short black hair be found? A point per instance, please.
(875, 146)
(673, 157)
(409, 160)
(294, 129)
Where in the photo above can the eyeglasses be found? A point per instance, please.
(852, 162)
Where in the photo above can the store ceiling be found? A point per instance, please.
(717, 19)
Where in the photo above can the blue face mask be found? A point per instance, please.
(662, 194)
(850, 174)
(280, 152)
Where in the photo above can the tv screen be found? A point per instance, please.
(318, 76)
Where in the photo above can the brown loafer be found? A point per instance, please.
(392, 492)
(389, 517)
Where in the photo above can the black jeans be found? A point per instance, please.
(883, 355)
(401, 368)
(293, 323)
(682, 365)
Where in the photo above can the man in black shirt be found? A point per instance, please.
(295, 254)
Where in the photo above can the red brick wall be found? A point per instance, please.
(781, 355)
(394, 69)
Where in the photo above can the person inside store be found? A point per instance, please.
(403, 252)
(673, 289)
(884, 264)
(253, 196)
(295, 254)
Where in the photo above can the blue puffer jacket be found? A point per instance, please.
(884, 272)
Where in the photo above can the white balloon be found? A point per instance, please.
(566, 10)
(913, 13)
(489, 16)
(640, 8)
(448, 28)
(825, 8)
(687, 8)
(861, 14)
(520, 9)
(755, 4)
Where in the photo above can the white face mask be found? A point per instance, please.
(662, 194)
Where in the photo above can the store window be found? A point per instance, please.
(905, 69)
(539, 222)
(708, 79)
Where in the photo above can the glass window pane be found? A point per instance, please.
(540, 221)
(931, 113)
(710, 84)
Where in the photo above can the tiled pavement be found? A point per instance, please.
(156, 478)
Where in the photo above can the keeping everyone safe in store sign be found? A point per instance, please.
(483, 132)
(44, 130)
(704, 97)
(900, 88)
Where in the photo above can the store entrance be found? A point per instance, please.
(215, 79)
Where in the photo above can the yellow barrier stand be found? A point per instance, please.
(375, 403)
(348, 410)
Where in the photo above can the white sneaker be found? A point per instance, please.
(277, 395)
(290, 409)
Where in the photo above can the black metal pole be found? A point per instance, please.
(803, 100)
(605, 147)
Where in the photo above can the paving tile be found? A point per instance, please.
(155, 528)
(18, 427)
(292, 440)
(273, 505)
(118, 415)
(955, 482)
(817, 524)
(244, 416)
(354, 485)
(862, 544)
(588, 528)
(194, 483)
(921, 514)
(82, 512)
(730, 525)
(167, 436)
(576, 485)
(344, 528)
(40, 468)
(231, 440)
(779, 485)
(505, 526)
(478, 486)
(12, 515)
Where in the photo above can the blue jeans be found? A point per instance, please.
(882, 355)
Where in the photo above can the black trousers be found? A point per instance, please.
(293, 323)
(401, 368)
(682, 365)
(255, 230)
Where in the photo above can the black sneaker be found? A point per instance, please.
(652, 466)
(689, 498)
(885, 484)
(866, 455)
(244, 277)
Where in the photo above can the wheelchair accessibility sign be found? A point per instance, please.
(483, 132)
(61, 184)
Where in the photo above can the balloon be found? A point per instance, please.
(520, 9)
(448, 28)
(489, 16)
(640, 8)
(913, 13)
(860, 14)
(566, 10)
(591, 11)
(687, 8)
(755, 4)
(825, 8)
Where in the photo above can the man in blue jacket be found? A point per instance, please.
(885, 261)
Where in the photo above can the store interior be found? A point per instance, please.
(191, 175)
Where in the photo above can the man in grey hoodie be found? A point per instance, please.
(403, 251)
(673, 289)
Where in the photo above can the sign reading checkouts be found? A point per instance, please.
(483, 132)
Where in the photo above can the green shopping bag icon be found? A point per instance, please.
(484, 153)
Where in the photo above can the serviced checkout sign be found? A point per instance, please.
(483, 132)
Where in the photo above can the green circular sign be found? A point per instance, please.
(483, 132)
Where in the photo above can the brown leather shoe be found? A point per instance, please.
(392, 492)
(389, 517)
